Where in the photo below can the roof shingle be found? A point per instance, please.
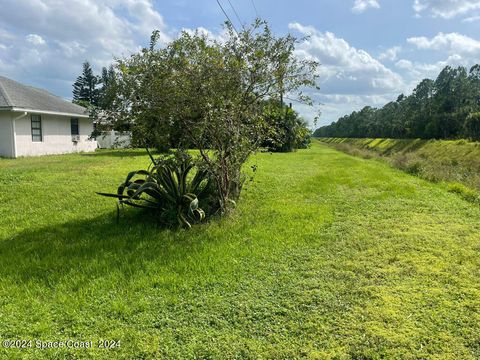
(16, 95)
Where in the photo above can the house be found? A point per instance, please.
(34, 122)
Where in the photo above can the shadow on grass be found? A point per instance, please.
(92, 248)
(405, 146)
(382, 146)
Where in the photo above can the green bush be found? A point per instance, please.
(465, 192)
(286, 130)
(414, 168)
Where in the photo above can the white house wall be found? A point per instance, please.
(6, 136)
(56, 133)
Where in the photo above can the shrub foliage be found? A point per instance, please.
(197, 92)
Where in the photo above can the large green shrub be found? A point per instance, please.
(286, 130)
(200, 93)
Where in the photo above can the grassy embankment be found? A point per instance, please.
(456, 163)
(328, 255)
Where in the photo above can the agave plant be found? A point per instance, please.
(167, 188)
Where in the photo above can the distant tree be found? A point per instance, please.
(107, 91)
(85, 88)
(472, 126)
(422, 107)
(474, 80)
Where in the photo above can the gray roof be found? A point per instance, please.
(14, 95)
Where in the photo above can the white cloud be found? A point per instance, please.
(350, 78)
(431, 70)
(452, 43)
(35, 39)
(336, 105)
(471, 19)
(361, 5)
(446, 9)
(47, 32)
(72, 49)
(390, 54)
(6, 35)
(452, 49)
(415, 71)
(404, 64)
(147, 17)
(345, 69)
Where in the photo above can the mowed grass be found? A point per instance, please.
(456, 162)
(327, 256)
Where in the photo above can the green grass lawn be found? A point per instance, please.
(327, 255)
(452, 161)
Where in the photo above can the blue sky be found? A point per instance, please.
(370, 50)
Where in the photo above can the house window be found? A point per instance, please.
(36, 128)
(74, 126)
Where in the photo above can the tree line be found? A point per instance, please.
(445, 108)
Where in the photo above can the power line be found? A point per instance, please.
(226, 15)
(256, 12)
(236, 14)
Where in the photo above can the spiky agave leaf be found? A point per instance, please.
(198, 215)
(182, 220)
(201, 176)
(128, 182)
(166, 187)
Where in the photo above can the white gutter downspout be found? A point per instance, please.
(14, 132)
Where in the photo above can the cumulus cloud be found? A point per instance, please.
(345, 69)
(147, 18)
(446, 9)
(350, 78)
(361, 5)
(471, 19)
(45, 42)
(452, 49)
(35, 39)
(336, 105)
(452, 42)
(390, 54)
(415, 71)
(404, 64)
